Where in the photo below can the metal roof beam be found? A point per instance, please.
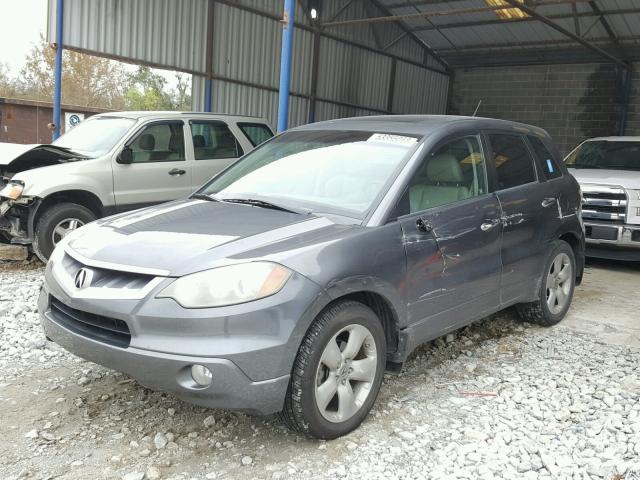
(531, 56)
(605, 23)
(565, 32)
(408, 3)
(498, 21)
(388, 17)
(340, 10)
(513, 46)
(417, 39)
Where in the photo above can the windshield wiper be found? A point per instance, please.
(204, 196)
(263, 204)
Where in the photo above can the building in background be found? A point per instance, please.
(26, 121)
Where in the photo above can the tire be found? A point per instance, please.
(45, 240)
(551, 307)
(344, 321)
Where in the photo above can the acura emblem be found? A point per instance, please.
(83, 278)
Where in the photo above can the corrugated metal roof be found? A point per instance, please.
(470, 28)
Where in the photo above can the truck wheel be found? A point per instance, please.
(337, 373)
(556, 288)
(55, 223)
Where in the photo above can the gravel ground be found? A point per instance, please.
(499, 399)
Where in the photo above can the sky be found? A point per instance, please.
(22, 23)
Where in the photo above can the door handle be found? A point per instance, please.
(423, 225)
(490, 225)
(177, 172)
(547, 202)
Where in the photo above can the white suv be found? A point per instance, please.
(111, 163)
(608, 170)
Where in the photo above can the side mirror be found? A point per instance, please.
(125, 157)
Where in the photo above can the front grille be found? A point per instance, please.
(104, 278)
(103, 329)
(604, 204)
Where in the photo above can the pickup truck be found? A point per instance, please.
(111, 163)
(608, 170)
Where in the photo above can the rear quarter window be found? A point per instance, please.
(549, 166)
(513, 162)
(257, 133)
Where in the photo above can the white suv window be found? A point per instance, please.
(159, 142)
(213, 140)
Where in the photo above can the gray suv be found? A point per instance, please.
(293, 279)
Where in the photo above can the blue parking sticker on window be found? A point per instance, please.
(550, 165)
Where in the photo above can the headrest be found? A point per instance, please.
(444, 168)
(226, 140)
(147, 142)
(176, 143)
(198, 141)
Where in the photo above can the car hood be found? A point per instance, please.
(623, 178)
(186, 236)
(15, 158)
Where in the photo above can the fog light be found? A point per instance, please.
(201, 375)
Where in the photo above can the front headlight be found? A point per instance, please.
(230, 285)
(12, 190)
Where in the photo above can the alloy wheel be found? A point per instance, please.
(346, 373)
(64, 228)
(559, 282)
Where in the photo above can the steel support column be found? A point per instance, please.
(57, 73)
(626, 77)
(208, 93)
(313, 96)
(208, 81)
(285, 65)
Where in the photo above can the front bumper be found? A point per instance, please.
(249, 348)
(616, 242)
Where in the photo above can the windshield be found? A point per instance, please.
(606, 154)
(95, 136)
(340, 172)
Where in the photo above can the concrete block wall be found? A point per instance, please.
(633, 115)
(571, 102)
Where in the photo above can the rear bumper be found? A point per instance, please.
(619, 242)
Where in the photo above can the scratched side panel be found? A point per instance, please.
(453, 272)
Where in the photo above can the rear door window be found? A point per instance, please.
(213, 140)
(548, 164)
(257, 133)
(513, 163)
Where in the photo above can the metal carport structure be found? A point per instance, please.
(361, 57)
(232, 48)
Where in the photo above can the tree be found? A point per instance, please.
(86, 80)
(7, 84)
(94, 81)
(148, 91)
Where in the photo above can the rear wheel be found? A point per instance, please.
(337, 373)
(57, 222)
(556, 289)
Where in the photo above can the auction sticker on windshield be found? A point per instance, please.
(392, 139)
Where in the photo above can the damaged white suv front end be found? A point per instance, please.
(21, 189)
(608, 170)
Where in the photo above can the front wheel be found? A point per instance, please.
(337, 373)
(55, 223)
(556, 289)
